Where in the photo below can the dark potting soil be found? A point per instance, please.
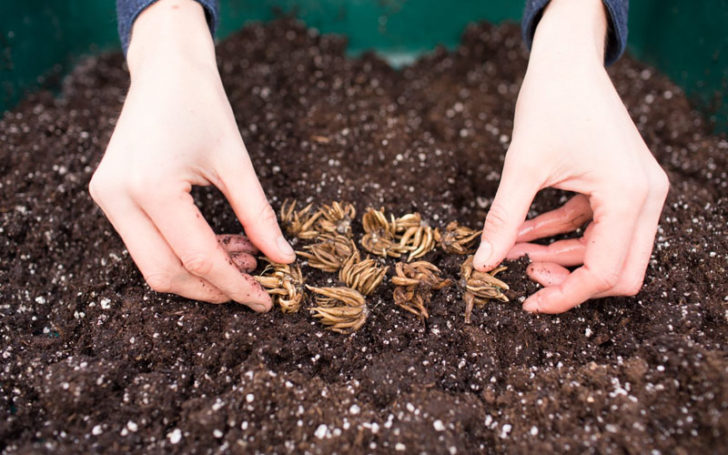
(92, 360)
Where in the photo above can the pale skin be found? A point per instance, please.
(177, 130)
(571, 131)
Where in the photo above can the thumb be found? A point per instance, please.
(242, 189)
(519, 184)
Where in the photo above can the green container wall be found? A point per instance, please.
(688, 40)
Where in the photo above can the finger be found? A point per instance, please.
(547, 273)
(516, 191)
(244, 262)
(237, 243)
(566, 218)
(155, 259)
(632, 278)
(194, 243)
(607, 248)
(564, 252)
(242, 189)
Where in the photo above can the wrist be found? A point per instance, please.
(572, 29)
(171, 35)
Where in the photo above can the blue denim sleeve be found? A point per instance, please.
(128, 10)
(616, 41)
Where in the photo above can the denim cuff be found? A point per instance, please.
(617, 34)
(128, 10)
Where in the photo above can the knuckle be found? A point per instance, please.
(94, 188)
(266, 214)
(198, 264)
(662, 184)
(636, 186)
(605, 280)
(139, 185)
(98, 186)
(632, 287)
(219, 297)
(144, 185)
(215, 295)
(530, 168)
(628, 197)
(522, 166)
(160, 281)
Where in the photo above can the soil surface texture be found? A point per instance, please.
(93, 361)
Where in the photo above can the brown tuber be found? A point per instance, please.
(406, 235)
(456, 239)
(285, 283)
(342, 309)
(330, 252)
(299, 223)
(336, 218)
(364, 276)
(480, 287)
(414, 285)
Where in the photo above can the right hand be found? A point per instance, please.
(177, 130)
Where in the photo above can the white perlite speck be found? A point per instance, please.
(217, 433)
(438, 425)
(249, 397)
(174, 436)
(320, 431)
(534, 431)
(105, 303)
(399, 447)
(505, 430)
(97, 430)
(354, 409)
(132, 426)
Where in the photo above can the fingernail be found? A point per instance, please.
(260, 307)
(482, 255)
(285, 248)
(531, 305)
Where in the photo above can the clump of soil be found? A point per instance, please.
(92, 360)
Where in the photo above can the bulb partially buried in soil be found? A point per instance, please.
(336, 218)
(414, 285)
(299, 223)
(480, 287)
(456, 239)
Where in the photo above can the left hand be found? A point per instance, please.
(572, 132)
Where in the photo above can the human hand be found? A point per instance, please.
(177, 130)
(572, 132)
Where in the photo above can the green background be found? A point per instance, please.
(688, 40)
